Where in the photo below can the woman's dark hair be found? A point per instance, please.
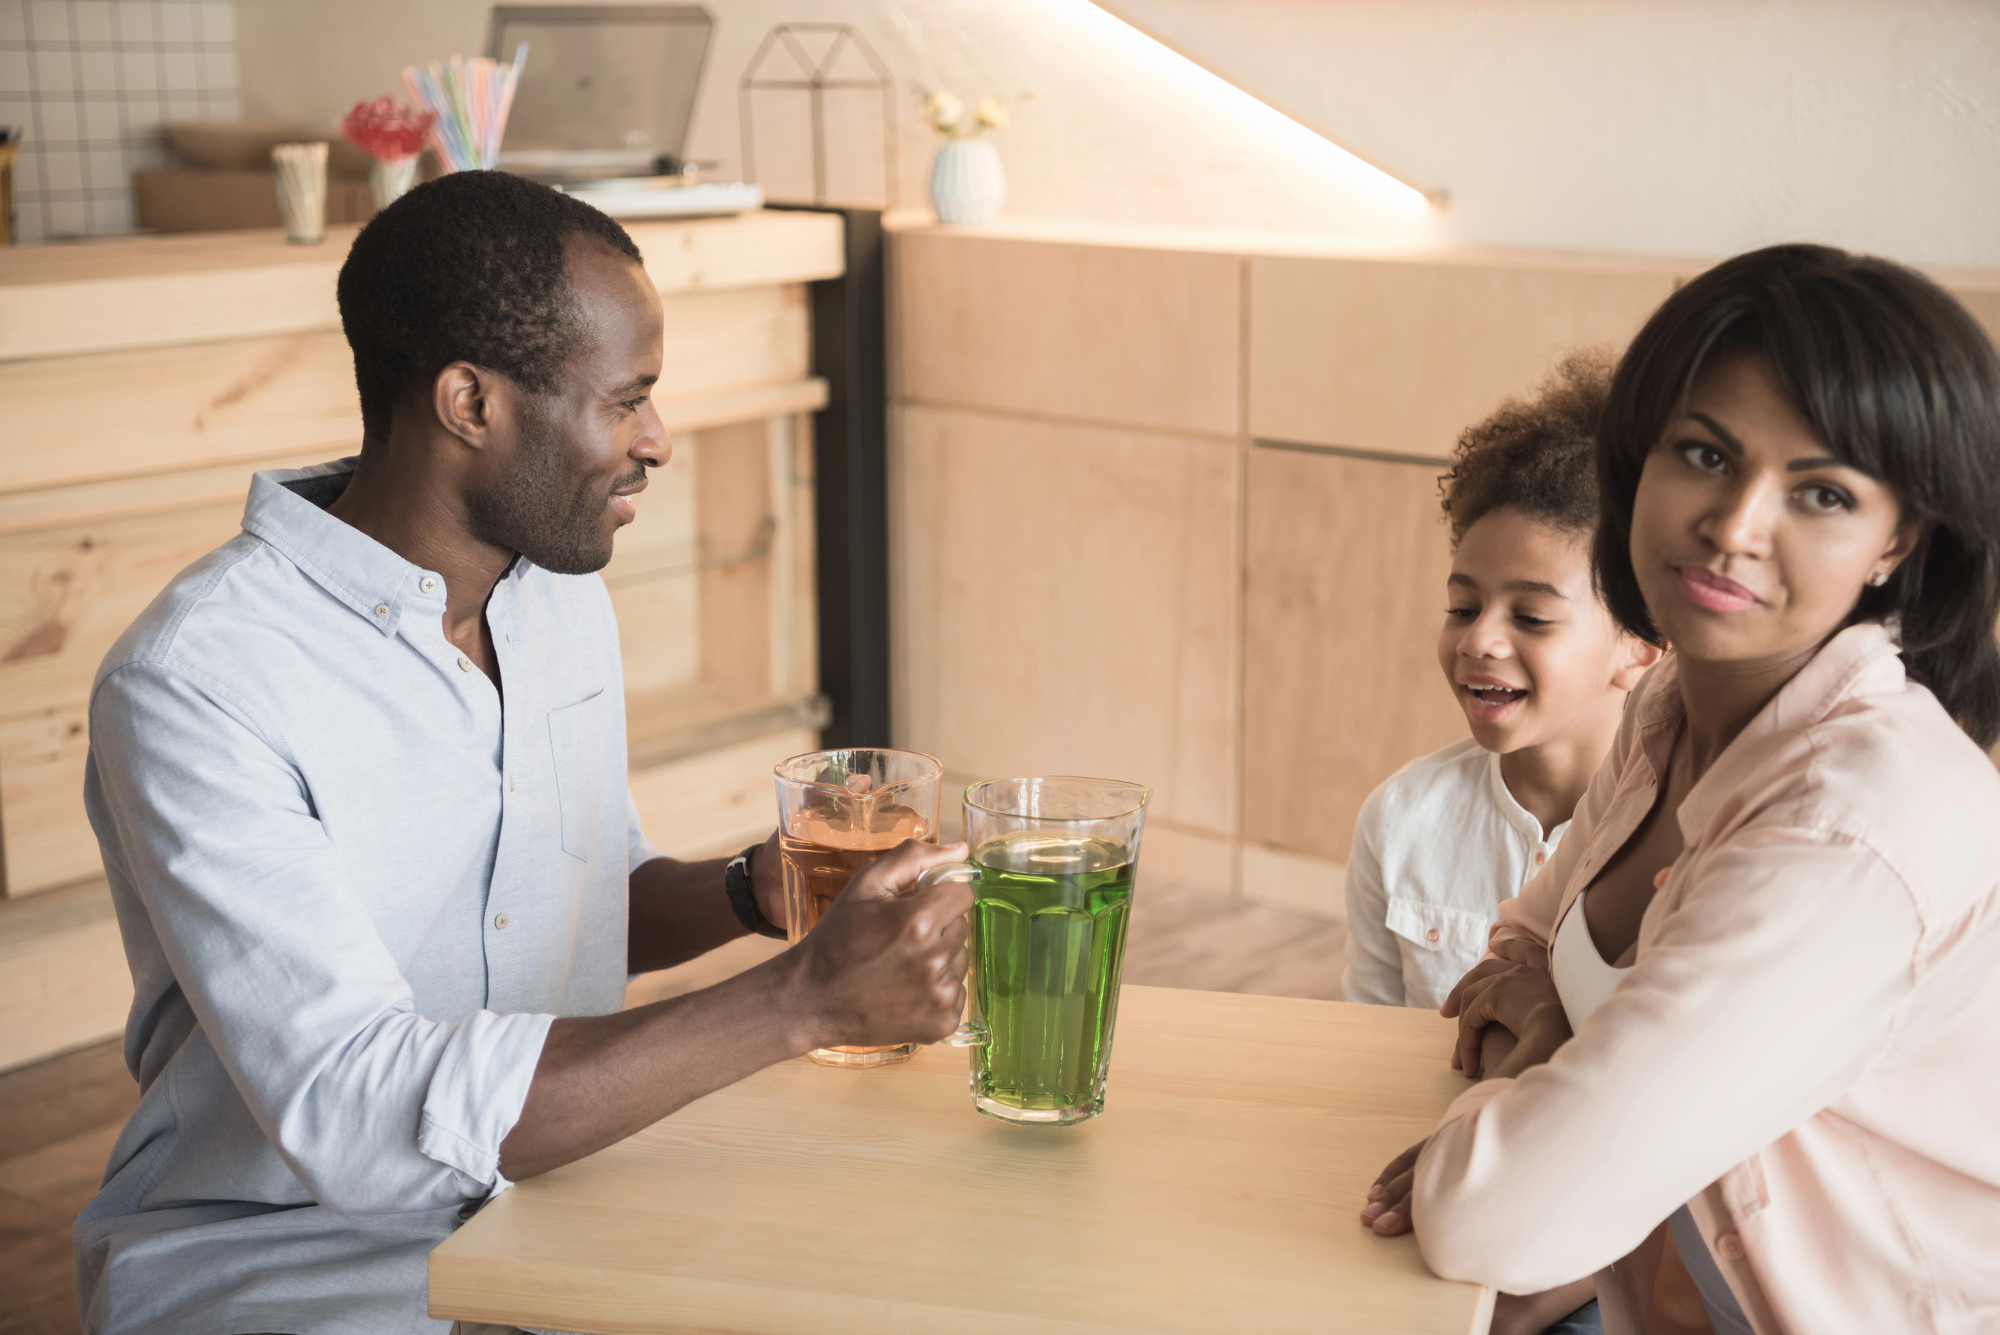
(1899, 381)
(1538, 455)
(470, 267)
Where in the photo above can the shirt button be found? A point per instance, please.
(464, 663)
(381, 609)
(428, 584)
(1431, 935)
(1541, 856)
(1730, 1245)
(500, 921)
(510, 783)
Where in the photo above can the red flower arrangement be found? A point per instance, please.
(387, 129)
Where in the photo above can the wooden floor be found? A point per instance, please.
(59, 1118)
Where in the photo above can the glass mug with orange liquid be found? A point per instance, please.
(837, 812)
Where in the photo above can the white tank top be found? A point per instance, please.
(1583, 980)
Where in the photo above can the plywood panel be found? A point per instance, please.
(654, 578)
(748, 250)
(717, 802)
(1066, 604)
(149, 292)
(730, 356)
(1138, 337)
(1401, 356)
(1345, 568)
(63, 978)
(168, 409)
(733, 490)
(719, 341)
(49, 842)
(68, 591)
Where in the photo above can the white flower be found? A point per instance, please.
(991, 113)
(944, 112)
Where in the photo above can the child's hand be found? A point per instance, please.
(1388, 1208)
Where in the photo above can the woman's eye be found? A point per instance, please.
(1708, 458)
(1824, 499)
(1527, 620)
(1461, 613)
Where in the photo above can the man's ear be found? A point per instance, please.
(463, 397)
(1636, 659)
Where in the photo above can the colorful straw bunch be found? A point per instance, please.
(470, 100)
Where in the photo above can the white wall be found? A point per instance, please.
(1107, 134)
(1664, 126)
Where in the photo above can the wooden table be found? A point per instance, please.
(1217, 1192)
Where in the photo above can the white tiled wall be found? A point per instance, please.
(91, 82)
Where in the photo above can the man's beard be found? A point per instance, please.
(543, 509)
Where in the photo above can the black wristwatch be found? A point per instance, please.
(736, 880)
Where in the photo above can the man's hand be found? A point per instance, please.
(767, 883)
(1388, 1208)
(886, 966)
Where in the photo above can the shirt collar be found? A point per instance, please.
(1862, 660)
(1510, 806)
(287, 509)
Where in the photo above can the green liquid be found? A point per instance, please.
(1048, 941)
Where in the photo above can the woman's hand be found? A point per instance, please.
(1521, 997)
(1388, 1208)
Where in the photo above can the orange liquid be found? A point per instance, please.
(822, 849)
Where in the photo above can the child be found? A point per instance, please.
(1541, 671)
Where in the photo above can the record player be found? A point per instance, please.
(604, 106)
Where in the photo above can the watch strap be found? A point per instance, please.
(736, 880)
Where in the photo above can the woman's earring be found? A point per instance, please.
(1878, 579)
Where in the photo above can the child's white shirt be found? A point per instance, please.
(1437, 849)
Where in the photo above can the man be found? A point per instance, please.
(359, 781)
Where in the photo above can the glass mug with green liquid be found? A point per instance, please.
(1051, 870)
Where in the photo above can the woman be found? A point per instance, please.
(1759, 982)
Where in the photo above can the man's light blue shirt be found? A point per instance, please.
(356, 883)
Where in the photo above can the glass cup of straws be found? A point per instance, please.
(301, 178)
(837, 812)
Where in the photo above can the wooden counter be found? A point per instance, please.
(143, 380)
(1218, 1192)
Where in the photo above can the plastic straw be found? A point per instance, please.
(470, 99)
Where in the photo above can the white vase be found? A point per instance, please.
(967, 185)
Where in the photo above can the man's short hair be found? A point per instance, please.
(469, 267)
(1537, 455)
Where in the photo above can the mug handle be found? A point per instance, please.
(972, 1033)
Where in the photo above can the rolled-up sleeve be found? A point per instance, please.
(374, 1107)
(1761, 1001)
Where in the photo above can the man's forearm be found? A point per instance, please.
(603, 1077)
(679, 910)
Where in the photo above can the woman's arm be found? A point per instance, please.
(1753, 1009)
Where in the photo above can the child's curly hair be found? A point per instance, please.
(1537, 455)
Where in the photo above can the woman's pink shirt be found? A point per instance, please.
(1807, 1047)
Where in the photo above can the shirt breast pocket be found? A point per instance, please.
(1444, 942)
(577, 737)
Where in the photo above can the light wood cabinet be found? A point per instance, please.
(1269, 614)
(1343, 597)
